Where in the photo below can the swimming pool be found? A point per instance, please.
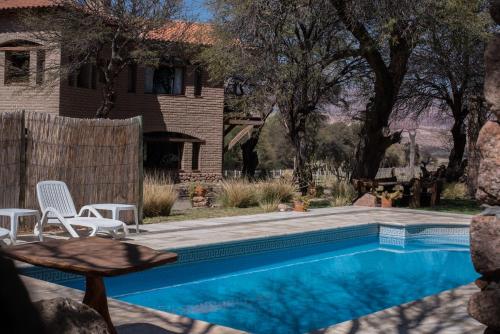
(299, 289)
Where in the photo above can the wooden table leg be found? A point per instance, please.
(95, 297)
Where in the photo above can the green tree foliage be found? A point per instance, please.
(290, 54)
(447, 68)
(275, 149)
(108, 35)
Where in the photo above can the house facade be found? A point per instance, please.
(182, 112)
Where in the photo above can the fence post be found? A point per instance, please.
(141, 170)
(22, 162)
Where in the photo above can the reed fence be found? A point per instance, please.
(11, 144)
(100, 160)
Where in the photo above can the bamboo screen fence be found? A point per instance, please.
(11, 143)
(100, 160)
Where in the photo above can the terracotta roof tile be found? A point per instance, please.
(181, 31)
(175, 31)
(13, 4)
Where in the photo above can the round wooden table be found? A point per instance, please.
(95, 258)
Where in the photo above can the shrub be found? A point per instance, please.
(280, 190)
(455, 190)
(269, 204)
(343, 193)
(238, 194)
(159, 195)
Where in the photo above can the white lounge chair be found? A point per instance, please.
(58, 207)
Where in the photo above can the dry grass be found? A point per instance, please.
(280, 190)
(269, 204)
(455, 190)
(343, 193)
(159, 195)
(266, 194)
(238, 194)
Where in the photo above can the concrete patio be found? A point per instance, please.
(438, 314)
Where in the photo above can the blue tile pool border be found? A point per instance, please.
(386, 233)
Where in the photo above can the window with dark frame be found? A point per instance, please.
(198, 81)
(195, 160)
(40, 67)
(83, 77)
(132, 78)
(17, 67)
(164, 80)
(93, 76)
(86, 77)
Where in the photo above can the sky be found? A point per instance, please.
(197, 9)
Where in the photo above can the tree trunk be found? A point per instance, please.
(456, 167)
(477, 118)
(373, 142)
(412, 134)
(250, 157)
(108, 101)
(301, 172)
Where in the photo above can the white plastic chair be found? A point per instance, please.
(58, 208)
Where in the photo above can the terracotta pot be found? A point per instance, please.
(199, 191)
(386, 202)
(298, 206)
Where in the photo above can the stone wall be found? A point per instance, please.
(484, 306)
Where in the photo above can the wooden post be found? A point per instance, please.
(412, 134)
(416, 192)
(22, 162)
(141, 169)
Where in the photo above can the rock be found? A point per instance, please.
(197, 199)
(284, 207)
(366, 200)
(484, 307)
(495, 10)
(481, 283)
(488, 183)
(485, 244)
(492, 75)
(66, 316)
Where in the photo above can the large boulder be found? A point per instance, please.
(483, 306)
(492, 75)
(366, 200)
(485, 245)
(66, 316)
(488, 183)
(495, 10)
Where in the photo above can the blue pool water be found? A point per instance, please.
(298, 290)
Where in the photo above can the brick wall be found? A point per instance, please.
(200, 117)
(30, 97)
(197, 116)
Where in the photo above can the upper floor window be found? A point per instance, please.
(132, 78)
(85, 77)
(17, 67)
(198, 81)
(164, 80)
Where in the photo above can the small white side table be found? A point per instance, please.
(4, 233)
(14, 214)
(116, 209)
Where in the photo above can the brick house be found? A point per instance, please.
(183, 123)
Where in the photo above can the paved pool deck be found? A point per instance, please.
(439, 314)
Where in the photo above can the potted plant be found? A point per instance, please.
(386, 198)
(301, 204)
(199, 190)
(197, 194)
